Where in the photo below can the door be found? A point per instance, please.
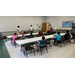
(47, 26)
(43, 27)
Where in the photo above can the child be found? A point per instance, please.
(58, 38)
(24, 35)
(31, 28)
(48, 32)
(39, 34)
(38, 45)
(67, 35)
(51, 29)
(42, 33)
(15, 36)
(18, 30)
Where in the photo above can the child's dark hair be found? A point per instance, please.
(51, 27)
(15, 34)
(43, 38)
(58, 32)
(24, 32)
(67, 31)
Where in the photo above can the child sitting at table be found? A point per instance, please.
(38, 45)
(24, 35)
(51, 29)
(48, 32)
(67, 35)
(15, 36)
(21, 33)
(58, 38)
(40, 34)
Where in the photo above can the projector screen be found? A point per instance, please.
(67, 24)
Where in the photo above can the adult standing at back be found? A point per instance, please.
(31, 28)
(18, 30)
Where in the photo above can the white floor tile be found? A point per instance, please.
(67, 51)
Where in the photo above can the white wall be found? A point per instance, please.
(9, 23)
(56, 21)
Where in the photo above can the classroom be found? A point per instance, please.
(37, 36)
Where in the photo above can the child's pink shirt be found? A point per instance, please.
(14, 36)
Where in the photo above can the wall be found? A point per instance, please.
(9, 23)
(56, 21)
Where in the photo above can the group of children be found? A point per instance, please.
(16, 36)
(49, 31)
(58, 37)
(30, 36)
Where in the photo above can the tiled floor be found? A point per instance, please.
(67, 51)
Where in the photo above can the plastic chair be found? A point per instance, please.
(28, 47)
(44, 46)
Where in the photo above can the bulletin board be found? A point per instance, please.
(67, 24)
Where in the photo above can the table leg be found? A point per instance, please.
(11, 40)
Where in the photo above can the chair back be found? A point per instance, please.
(31, 36)
(28, 45)
(68, 37)
(44, 42)
(18, 38)
(62, 37)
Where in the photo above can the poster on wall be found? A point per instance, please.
(67, 24)
(36, 27)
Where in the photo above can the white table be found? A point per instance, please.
(22, 35)
(25, 41)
